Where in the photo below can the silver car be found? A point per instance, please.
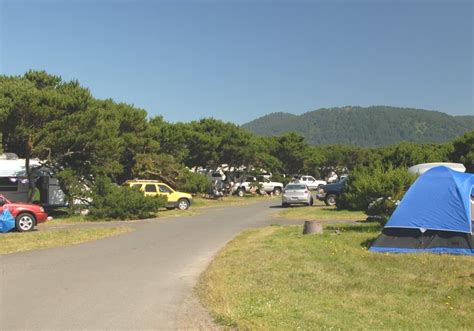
(296, 194)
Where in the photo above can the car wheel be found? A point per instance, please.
(330, 200)
(183, 204)
(25, 222)
(241, 192)
(284, 205)
(277, 191)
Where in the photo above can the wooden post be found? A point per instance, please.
(312, 227)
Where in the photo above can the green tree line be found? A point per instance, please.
(82, 138)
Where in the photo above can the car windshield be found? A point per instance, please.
(295, 187)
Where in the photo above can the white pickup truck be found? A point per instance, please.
(310, 181)
(266, 185)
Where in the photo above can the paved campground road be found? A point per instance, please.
(139, 280)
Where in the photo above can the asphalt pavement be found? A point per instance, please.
(139, 280)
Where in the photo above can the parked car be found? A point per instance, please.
(310, 181)
(176, 199)
(265, 185)
(296, 194)
(329, 193)
(27, 215)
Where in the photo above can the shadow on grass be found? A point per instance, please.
(358, 226)
(369, 242)
(57, 213)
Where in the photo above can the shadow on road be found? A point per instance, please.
(291, 206)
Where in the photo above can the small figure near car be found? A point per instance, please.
(264, 185)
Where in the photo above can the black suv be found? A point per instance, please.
(330, 192)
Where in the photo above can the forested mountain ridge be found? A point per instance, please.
(365, 126)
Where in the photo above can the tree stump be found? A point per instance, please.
(312, 227)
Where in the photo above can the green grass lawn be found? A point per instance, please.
(231, 200)
(26, 241)
(276, 278)
(320, 212)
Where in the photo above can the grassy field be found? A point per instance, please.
(320, 212)
(276, 278)
(200, 202)
(18, 242)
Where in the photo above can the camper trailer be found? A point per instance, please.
(14, 183)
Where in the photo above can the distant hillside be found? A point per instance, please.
(371, 126)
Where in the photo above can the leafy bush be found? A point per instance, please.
(367, 185)
(110, 201)
(191, 182)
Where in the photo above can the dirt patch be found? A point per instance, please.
(193, 316)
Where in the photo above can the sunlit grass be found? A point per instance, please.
(227, 201)
(26, 241)
(320, 213)
(275, 278)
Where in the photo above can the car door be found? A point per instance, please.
(150, 190)
(166, 191)
(266, 186)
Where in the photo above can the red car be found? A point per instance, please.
(27, 215)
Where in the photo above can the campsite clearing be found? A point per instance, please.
(277, 278)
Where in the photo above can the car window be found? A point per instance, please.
(295, 187)
(150, 188)
(164, 189)
(137, 186)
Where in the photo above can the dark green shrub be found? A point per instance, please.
(110, 201)
(381, 209)
(367, 185)
(194, 183)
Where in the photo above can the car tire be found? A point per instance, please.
(277, 191)
(330, 200)
(183, 204)
(25, 222)
(241, 192)
(284, 205)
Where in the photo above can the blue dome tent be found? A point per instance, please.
(435, 215)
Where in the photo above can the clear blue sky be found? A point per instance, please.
(238, 60)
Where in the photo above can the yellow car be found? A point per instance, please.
(176, 199)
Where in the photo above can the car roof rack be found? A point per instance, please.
(144, 180)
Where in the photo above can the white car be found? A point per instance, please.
(296, 194)
(266, 185)
(311, 182)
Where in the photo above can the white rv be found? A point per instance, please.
(14, 182)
